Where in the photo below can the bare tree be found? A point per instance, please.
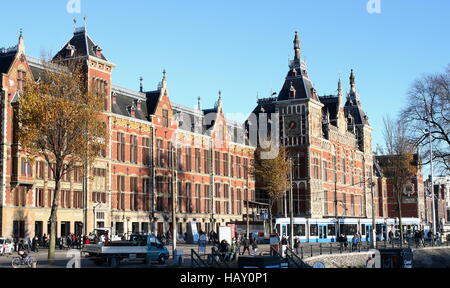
(429, 103)
(397, 161)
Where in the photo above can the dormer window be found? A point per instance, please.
(132, 111)
(292, 92)
(70, 51)
(114, 98)
(98, 51)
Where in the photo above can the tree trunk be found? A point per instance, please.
(399, 209)
(270, 216)
(53, 222)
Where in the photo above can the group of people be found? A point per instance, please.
(229, 252)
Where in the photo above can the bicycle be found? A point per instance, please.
(18, 262)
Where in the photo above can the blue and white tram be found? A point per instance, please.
(327, 230)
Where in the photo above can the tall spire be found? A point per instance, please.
(141, 88)
(340, 94)
(21, 44)
(297, 46)
(199, 103)
(352, 81)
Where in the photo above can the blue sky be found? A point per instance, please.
(242, 47)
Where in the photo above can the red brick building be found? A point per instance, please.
(329, 141)
(153, 144)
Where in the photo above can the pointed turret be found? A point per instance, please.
(297, 46)
(352, 81)
(340, 94)
(21, 44)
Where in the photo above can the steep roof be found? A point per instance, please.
(126, 100)
(6, 59)
(83, 45)
(297, 81)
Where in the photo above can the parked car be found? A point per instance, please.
(6, 246)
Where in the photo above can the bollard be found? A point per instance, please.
(301, 251)
(311, 251)
(331, 248)
(320, 246)
(34, 265)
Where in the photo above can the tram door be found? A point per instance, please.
(368, 232)
(323, 233)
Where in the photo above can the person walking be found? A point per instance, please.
(254, 247)
(284, 243)
(355, 241)
(296, 245)
(246, 244)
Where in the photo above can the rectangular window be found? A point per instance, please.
(160, 151)
(189, 197)
(134, 205)
(217, 162)
(50, 193)
(206, 202)
(245, 168)
(121, 147)
(225, 164)
(299, 230)
(233, 210)
(313, 230)
(77, 199)
(40, 166)
(165, 118)
(238, 167)
(134, 149)
(188, 159)
(232, 166)
(39, 197)
(146, 194)
(146, 151)
(217, 190)
(325, 171)
(198, 162)
(21, 79)
(64, 199)
(198, 191)
(26, 168)
(207, 159)
(20, 196)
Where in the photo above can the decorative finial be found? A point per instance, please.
(164, 74)
(199, 104)
(220, 94)
(21, 32)
(141, 79)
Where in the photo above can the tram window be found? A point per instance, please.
(299, 230)
(349, 229)
(313, 230)
(331, 230)
(363, 229)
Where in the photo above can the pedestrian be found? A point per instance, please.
(296, 245)
(391, 237)
(246, 244)
(284, 244)
(254, 247)
(44, 239)
(35, 244)
(355, 243)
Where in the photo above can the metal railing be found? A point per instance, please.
(197, 260)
